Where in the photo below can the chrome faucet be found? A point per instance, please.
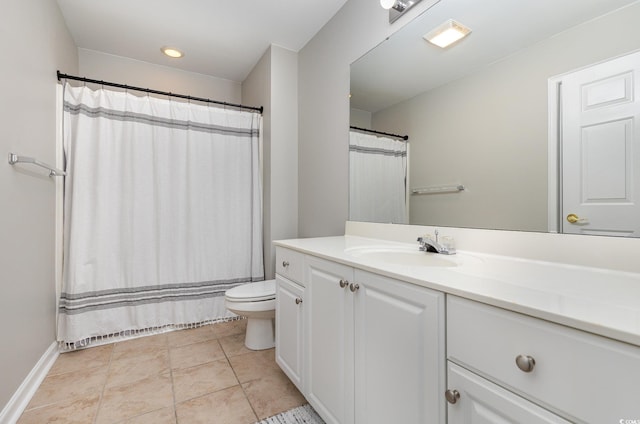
(427, 244)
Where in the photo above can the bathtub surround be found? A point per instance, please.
(162, 212)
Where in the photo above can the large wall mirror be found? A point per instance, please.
(535, 113)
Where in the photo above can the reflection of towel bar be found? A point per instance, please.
(53, 172)
(439, 189)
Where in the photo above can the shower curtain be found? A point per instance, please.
(162, 212)
(377, 179)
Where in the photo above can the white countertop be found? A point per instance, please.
(600, 301)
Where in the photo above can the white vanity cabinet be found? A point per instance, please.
(577, 375)
(375, 347)
(290, 316)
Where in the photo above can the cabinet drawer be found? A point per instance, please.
(290, 264)
(481, 401)
(584, 377)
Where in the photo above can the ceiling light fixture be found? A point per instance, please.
(447, 33)
(397, 8)
(172, 52)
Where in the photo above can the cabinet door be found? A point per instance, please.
(482, 402)
(399, 352)
(330, 340)
(290, 329)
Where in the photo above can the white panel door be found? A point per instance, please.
(482, 402)
(399, 352)
(330, 340)
(290, 329)
(601, 149)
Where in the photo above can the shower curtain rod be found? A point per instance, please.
(162, 93)
(403, 137)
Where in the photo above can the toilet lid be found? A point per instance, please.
(253, 292)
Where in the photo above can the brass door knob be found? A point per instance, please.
(572, 218)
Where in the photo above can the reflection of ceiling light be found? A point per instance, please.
(171, 52)
(447, 33)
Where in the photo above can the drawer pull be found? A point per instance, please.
(285, 264)
(452, 396)
(298, 300)
(343, 283)
(525, 363)
(354, 287)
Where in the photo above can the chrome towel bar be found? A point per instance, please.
(454, 188)
(53, 172)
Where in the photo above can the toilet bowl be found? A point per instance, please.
(257, 302)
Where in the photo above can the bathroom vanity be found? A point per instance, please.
(374, 331)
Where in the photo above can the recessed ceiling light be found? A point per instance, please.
(447, 33)
(172, 52)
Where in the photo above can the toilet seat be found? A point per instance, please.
(253, 292)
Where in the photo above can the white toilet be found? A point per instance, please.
(257, 302)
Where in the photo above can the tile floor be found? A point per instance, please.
(203, 375)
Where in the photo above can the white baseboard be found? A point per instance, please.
(20, 399)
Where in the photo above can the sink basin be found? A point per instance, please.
(401, 255)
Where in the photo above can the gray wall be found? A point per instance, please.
(273, 84)
(489, 130)
(324, 111)
(36, 44)
(122, 70)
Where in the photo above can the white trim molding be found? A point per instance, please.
(21, 398)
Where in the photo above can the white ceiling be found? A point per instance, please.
(222, 38)
(405, 64)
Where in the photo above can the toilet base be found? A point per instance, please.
(260, 334)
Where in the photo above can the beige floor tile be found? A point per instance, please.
(195, 354)
(82, 359)
(254, 365)
(130, 400)
(229, 328)
(161, 416)
(71, 385)
(194, 335)
(136, 366)
(228, 406)
(139, 345)
(234, 345)
(272, 394)
(196, 381)
(81, 411)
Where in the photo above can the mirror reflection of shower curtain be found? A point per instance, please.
(162, 211)
(377, 179)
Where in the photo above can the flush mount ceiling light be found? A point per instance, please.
(172, 52)
(447, 33)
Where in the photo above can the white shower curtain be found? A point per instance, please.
(162, 210)
(377, 178)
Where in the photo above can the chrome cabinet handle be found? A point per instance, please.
(285, 264)
(452, 396)
(354, 287)
(525, 363)
(343, 283)
(298, 300)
